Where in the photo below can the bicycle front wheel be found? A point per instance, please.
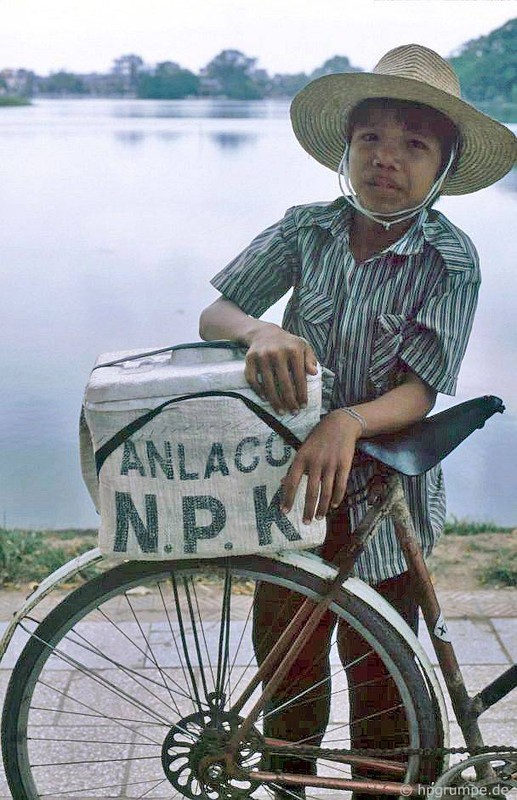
(131, 682)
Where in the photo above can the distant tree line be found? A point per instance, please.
(487, 68)
(229, 74)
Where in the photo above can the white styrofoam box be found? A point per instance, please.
(201, 478)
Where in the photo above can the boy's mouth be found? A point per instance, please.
(380, 182)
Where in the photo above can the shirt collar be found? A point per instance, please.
(413, 240)
(337, 217)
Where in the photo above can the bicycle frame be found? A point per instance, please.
(388, 500)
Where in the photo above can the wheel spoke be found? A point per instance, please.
(223, 646)
(185, 649)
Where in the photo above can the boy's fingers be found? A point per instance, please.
(270, 389)
(289, 486)
(311, 362)
(299, 379)
(286, 386)
(326, 494)
(339, 490)
(260, 377)
(301, 365)
(251, 374)
(311, 496)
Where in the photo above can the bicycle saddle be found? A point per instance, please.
(414, 450)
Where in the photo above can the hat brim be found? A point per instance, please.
(320, 111)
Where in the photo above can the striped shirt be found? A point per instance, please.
(410, 306)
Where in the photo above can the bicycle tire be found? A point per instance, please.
(91, 709)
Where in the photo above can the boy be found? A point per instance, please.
(384, 293)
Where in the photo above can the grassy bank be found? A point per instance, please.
(482, 550)
(29, 556)
(464, 527)
(14, 101)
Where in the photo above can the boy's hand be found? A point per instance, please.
(325, 457)
(277, 363)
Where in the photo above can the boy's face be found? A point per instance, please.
(394, 159)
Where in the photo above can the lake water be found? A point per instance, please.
(113, 217)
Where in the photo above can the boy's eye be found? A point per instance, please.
(418, 144)
(369, 136)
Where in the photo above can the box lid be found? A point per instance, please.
(155, 375)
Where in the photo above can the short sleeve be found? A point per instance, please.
(264, 271)
(435, 339)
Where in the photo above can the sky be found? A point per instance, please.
(283, 35)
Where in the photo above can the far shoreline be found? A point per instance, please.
(505, 112)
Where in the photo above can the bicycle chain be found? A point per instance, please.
(319, 752)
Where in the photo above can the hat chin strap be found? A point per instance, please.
(389, 219)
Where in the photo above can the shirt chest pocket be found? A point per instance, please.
(388, 340)
(314, 313)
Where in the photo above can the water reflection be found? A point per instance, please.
(137, 137)
(129, 137)
(232, 141)
(202, 108)
(226, 140)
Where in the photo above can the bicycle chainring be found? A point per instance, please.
(205, 734)
(483, 775)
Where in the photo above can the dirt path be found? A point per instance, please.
(459, 562)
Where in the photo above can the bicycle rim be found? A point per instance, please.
(119, 690)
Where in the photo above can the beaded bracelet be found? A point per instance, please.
(356, 415)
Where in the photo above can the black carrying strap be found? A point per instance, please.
(137, 424)
(216, 344)
(411, 451)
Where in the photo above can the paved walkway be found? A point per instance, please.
(483, 626)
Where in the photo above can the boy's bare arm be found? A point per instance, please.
(327, 453)
(277, 362)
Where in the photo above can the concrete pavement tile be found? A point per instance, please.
(145, 778)
(166, 646)
(507, 630)
(497, 732)
(10, 601)
(501, 603)
(476, 677)
(474, 641)
(5, 676)
(478, 603)
(112, 697)
(79, 760)
(16, 646)
(340, 705)
(90, 643)
(48, 698)
(94, 644)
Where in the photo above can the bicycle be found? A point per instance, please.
(175, 708)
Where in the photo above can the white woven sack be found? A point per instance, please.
(187, 476)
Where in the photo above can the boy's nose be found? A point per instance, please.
(387, 154)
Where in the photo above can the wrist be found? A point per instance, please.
(361, 426)
(255, 328)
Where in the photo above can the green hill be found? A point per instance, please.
(487, 69)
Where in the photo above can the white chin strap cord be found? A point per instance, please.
(387, 220)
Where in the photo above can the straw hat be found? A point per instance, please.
(320, 111)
